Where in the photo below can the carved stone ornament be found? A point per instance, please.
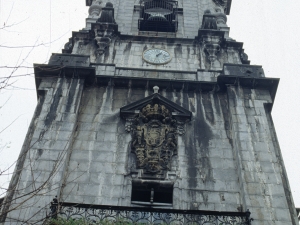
(154, 128)
(95, 8)
(105, 28)
(221, 2)
(154, 138)
(212, 47)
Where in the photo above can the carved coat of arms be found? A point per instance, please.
(154, 138)
(154, 130)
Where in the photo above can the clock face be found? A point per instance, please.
(157, 56)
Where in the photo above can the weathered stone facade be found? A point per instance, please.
(214, 139)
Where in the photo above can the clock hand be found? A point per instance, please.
(158, 54)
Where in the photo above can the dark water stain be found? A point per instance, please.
(178, 51)
(126, 52)
(111, 119)
(185, 100)
(217, 104)
(99, 95)
(53, 108)
(205, 197)
(88, 95)
(177, 96)
(197, 144)
(106, 54)
(39, 153)
(109, 96)
(120, 98)
(208, 109)
(169, 95)
(188, 56)
(232, 100)
(191, 95)
(198, 54)
(78, 97)
(225, 112)
(247, 96)
(71, 94)
(127, 48)
(114, 54)
(121, 142)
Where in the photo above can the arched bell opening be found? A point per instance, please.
(158, 16)
(157, 23)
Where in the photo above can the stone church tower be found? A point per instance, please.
(152, 114)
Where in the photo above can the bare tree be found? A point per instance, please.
(13, 196)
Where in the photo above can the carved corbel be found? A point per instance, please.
(105, 28)
(103, 43)
(211, 45)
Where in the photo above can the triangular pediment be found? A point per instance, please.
(135, 107)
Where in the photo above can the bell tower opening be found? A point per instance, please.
(158, 16)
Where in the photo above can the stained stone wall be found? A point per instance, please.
(78, 149)
(228, 159)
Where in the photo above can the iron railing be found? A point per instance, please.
(139, 215)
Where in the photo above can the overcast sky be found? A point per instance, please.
(268, 28)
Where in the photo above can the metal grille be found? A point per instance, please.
(158, 16)
(138, 215)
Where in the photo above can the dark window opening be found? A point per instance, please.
(158, 16)
(152, 193)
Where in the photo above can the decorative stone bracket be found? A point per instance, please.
(154, 123)
(105, 28)
(214, 36)
(103, 44)
(212, 46)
